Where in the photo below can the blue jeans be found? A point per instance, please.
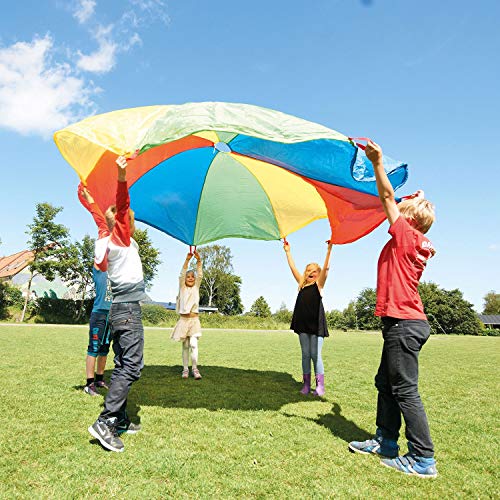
(128, 346)
(311, 346)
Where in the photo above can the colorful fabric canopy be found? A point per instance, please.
(205, 171)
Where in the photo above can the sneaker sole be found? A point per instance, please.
(411, 473)
(103, 443)
(132, 432)
(376, 453)
(355, 450)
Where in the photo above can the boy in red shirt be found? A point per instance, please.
(405, 330)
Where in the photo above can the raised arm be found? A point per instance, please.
(88, 202)
(385, 191)
(326, 266)
(121, 231)
(182, 276)
(199, 269)
(291, 263)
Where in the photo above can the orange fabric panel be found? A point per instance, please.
(101, 182)
(352, 214)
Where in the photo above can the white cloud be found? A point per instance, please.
(84, 10)
(154, 10)
(494, 247)
(38, 95)
(104, 58)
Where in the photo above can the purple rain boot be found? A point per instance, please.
(320, 385)
(306, 389)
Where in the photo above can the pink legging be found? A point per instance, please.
(191, 343)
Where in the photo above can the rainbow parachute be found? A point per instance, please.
(205, 171)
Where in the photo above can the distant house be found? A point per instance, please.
(14, 264)
(171, 307)
(490, 320)
(14, 268)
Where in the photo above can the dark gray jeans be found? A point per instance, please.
(128, 345)
(397, 384)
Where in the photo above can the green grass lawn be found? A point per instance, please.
(244, 430)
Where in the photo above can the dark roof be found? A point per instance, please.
(490, 319)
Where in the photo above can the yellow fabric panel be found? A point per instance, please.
(209, 135)
(295, 202)
(121, 132)
(81, 154)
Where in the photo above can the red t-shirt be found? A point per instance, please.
(400, 267)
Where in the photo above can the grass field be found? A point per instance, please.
(244, 431)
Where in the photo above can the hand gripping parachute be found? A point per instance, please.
(205, 171)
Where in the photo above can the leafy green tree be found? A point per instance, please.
(219, 286)
(491, 303)
(283, 315)
(49, 243)
(150, 256)
(260, 308)
(335, 320)
(228, 299)
(79, 273)
(448, 311)
(365, 310)
(350, 317)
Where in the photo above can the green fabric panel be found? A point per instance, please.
(226, 136)
(176, 121)
(233, 204)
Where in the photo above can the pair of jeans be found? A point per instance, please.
(397, 384)
(311, 346)
(128, 345)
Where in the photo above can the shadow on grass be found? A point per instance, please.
(339, 425)
(221, 388)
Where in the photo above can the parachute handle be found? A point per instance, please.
(361, 146)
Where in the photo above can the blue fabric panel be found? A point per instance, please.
(327, 160)
(167, 196)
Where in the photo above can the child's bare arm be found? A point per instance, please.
(291, 263)
(385, 191)
(199, 268)
(326, 266)
(187, 260)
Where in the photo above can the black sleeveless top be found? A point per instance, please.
(309, 313)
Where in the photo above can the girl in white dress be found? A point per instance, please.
(188, 328)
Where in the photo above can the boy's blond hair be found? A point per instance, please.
(420, 211)
(305, 273)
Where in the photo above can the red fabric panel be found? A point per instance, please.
(101, 182)
(352, 215)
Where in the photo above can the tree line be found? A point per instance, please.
(55, 253)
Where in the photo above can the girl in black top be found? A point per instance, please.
(309, 320)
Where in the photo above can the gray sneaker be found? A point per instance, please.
(91, 390)
(105, 432)
(128, 428)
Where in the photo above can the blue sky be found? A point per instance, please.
(421, 78)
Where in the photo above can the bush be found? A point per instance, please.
(154, 314)
(62, 311)
(10, 298)
(491, 332)
(283, 316)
